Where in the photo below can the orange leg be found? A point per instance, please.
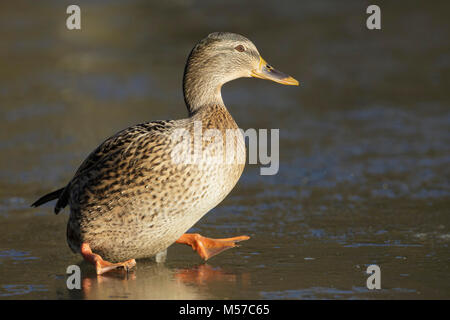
(101, 265)
(207, 247)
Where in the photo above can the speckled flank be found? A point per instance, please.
(129, 200)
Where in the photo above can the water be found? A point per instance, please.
(364, 146)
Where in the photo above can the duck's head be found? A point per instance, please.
(220, 58)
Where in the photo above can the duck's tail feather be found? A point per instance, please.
(49, 197)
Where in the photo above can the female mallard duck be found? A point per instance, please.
(129, 199)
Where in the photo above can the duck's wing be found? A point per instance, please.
(116, 151)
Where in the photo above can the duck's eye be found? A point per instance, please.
(240, 48)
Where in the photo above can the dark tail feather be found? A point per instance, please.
(48, 197)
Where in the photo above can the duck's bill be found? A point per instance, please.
(265, 71)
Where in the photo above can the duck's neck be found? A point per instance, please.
(201, 90)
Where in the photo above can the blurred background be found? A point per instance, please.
(364, 144)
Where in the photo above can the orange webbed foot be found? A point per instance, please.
(101, 265)
(208, 247)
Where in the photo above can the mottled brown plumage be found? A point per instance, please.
(129, 199)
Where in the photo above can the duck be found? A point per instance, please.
(141, 189)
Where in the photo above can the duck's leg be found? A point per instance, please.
(207, 247)
(160, 257)
(101, 265)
